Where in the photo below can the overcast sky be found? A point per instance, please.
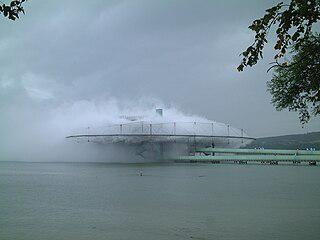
(181, 53)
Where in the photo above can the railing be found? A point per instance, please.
(213, 129)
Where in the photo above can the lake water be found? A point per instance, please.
(170, 201)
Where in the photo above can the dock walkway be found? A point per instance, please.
(243, 156)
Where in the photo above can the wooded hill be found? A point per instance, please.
(296, 141)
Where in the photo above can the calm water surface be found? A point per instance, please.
(170, 201)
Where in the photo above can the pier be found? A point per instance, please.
(244, 156)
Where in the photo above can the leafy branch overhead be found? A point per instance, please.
(296, 87)
(13, 9)
(294, 20)
(295, 84)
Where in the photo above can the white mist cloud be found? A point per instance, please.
(37, 132)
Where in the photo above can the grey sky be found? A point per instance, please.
(183, 53)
